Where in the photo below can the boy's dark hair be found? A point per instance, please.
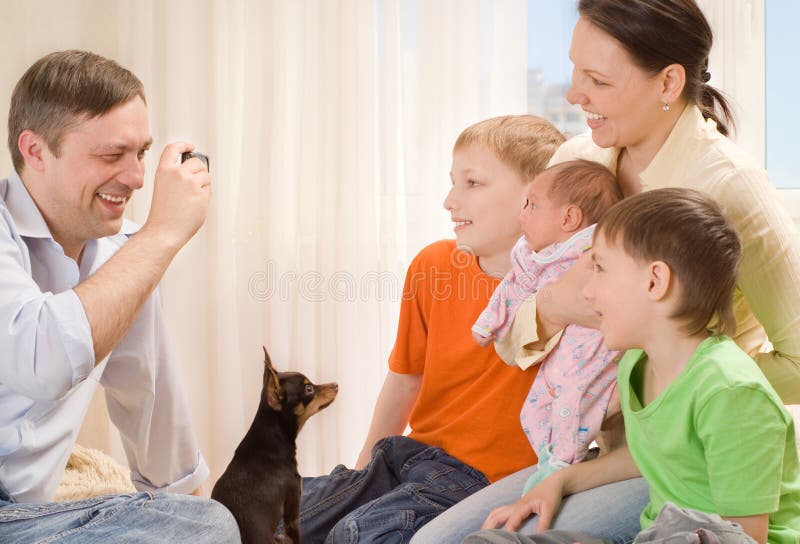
(587, 184)
(687, 230)
(59, 88)
(524, 142)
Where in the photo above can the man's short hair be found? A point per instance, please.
(58, 89)
(586, 184)
(687, 230)
(524, 142)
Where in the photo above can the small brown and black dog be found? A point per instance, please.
(261, 484)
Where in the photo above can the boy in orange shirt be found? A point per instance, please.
(460, 400)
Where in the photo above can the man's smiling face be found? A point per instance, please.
(100, 164)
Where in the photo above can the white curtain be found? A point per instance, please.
(737, 66)
(330, 126)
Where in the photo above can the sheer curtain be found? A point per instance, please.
(330, 126)
(737, 66)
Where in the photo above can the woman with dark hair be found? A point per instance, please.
(641, 76)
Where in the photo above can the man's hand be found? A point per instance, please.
(180, 195)
(543, 500)
(197, 492)
(113, 296)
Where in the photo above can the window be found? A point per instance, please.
(782, 81)
(549, 68)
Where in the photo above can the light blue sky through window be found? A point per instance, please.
(783, 82)
(550, 25)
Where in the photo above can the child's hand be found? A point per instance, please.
(543, 500)
(482, 341)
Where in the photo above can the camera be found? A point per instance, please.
(186, 155)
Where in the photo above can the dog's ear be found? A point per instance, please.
(267, 360)
(272, 384)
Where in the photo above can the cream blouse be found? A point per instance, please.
(767, 297)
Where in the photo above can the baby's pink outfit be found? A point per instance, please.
(569, 397)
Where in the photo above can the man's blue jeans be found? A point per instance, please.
(139, 518)
(405, 485)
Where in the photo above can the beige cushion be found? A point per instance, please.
(90, 473)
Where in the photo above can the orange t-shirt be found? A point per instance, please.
(469, 401)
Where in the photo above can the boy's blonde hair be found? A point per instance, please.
(524, 142)
(685, 229)
(586, 184)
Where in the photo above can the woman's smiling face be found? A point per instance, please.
(622, 102)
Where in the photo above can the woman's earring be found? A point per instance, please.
(666, 106)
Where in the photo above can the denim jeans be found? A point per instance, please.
(547, 537)
(405, 485)
(610, 512)
(138, 518)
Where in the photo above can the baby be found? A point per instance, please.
(570, 395)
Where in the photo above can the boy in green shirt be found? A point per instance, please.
(703, 425)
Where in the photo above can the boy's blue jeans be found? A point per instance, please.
(405, 485)
(138, 518)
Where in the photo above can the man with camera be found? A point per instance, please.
(79, 306)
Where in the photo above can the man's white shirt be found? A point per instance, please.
(47, 370)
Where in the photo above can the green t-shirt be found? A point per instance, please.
(717, 440)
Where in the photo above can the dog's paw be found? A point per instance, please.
(283, 539)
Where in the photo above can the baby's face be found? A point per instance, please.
(542, 218)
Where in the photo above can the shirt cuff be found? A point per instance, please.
(516, 348)
(75, 333)
(184, 485)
